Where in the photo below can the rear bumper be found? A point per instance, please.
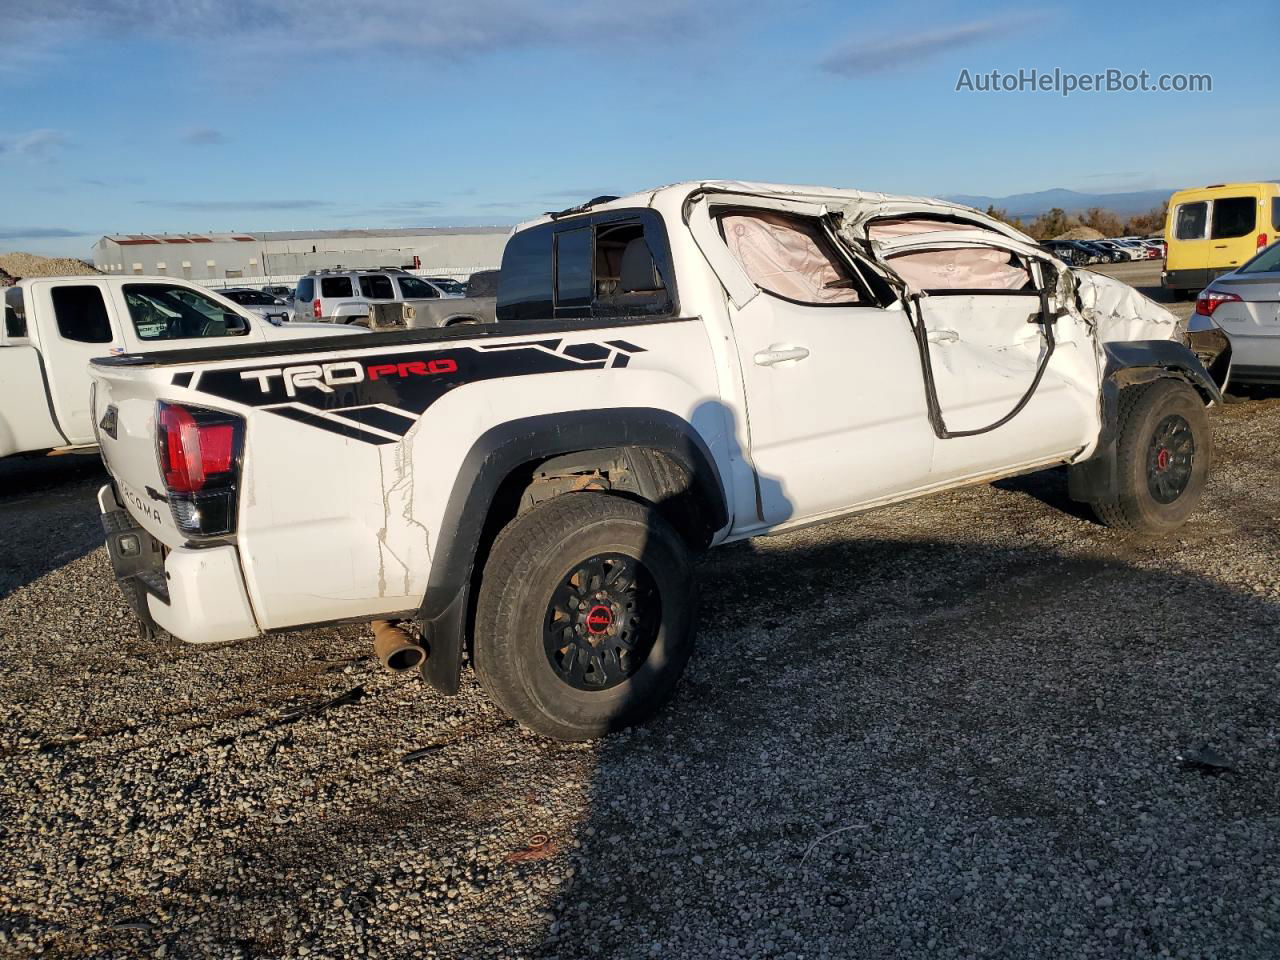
(198, 595)
(1195, 280)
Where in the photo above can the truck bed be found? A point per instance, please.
(396, 338)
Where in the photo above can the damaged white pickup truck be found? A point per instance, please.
(669, 371)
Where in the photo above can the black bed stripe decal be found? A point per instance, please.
(389, 392)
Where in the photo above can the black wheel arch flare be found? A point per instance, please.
(1132, 363)
(446, 610)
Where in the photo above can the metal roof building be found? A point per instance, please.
(229, 259)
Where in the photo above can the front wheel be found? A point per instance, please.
(1163, 452)
(585, 617)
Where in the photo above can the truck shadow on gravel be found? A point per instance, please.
(890, 747)
(60, 491)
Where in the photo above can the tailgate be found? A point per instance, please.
(124, 417)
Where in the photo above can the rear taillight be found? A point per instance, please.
(1211, 300)
(1262, 240)
(199, 452)
(315, 309)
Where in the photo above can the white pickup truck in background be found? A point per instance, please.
(53, 327)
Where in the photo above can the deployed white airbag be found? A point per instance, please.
(948, 268)
(782, 256)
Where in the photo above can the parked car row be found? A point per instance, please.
(345, 296)
(1082, 253)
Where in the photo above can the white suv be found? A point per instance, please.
(346, 296)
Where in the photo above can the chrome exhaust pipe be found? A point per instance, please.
(395, 649)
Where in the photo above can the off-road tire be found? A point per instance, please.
(1143, 410)
(537, 555)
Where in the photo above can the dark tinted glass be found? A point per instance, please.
(252, 298)
(1234, 217)
(524, 291)
(1275, 214)
(163, 312)
(414, 289)
(1268, 261)
(81, 313)
(1191, 220)
(377, 287)
(305, 287)
(335, 286)
(15, 313)
(573, 268)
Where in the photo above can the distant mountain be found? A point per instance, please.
(1031, 205)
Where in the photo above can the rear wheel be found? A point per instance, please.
(585, 617)
(1163, 452)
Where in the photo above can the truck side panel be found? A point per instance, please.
(26, 420)
(353, 453)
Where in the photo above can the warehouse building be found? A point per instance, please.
(229, 259)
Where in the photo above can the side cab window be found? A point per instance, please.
(794, 258)
(80, 312)
(611, 264)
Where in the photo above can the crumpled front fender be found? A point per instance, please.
(1118, 312)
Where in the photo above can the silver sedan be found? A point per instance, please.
(269, 308)
(1245, 306)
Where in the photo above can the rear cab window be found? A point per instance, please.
(306, 287)
(81, 314)
(15, 314)
(612, 264)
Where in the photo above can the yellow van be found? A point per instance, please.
(1211, 230)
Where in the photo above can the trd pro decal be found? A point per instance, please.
(378, 398)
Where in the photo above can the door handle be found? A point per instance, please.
(779, 353)
(943, 336)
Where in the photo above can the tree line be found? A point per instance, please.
(1107, 222)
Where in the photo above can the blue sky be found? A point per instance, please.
(173, 115)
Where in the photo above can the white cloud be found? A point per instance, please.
(34, 143)
(451, 28)
(907, 49)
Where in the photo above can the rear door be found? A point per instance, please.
(835, 415)
(78, 321)
(1233, 226)
(1189, 236)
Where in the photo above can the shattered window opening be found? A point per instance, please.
(790, 258)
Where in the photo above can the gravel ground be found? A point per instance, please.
(946, 729)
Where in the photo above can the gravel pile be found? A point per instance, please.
(20, 265)
(946, 729)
